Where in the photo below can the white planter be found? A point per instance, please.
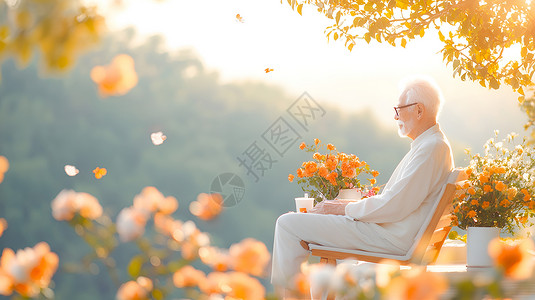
(349, 194)
(477, 245)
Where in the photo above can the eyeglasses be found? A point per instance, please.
(397, 108)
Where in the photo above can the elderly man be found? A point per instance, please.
(387, 222)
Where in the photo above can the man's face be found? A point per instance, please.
(405, 117)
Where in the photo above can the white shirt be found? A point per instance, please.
(415, 185)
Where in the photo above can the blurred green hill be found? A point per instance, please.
(47, 122)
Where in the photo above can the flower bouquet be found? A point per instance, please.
(324, 176)
(499, 190)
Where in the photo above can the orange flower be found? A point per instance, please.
(213, 283)
(3, 226)
(487, 188)
(317, 156)
(468, 171)
(302, 146)
(323, 171)
(343, 157)
(68, 202)
(207, 206)
(500, 186)
(192, 240)
(505, 203)
(131, 223)
(471, 214)
(416, 284)
(373, 180)
(523, 219)
(332, 178)
(291, 178)
(100, 172)
(167, 225)
(471, 191)
(347, 171)
(188, 276)
(316, 141)
(241, 286)
(499, 170)
(135, 290)
(331, 162)
(511, 193)
(310, 168)
(4, 166)
(27, 271)
(484, 178)
(88, 206)
(515, 260)
(375, 173)
(116, 79)
(300, 173)
(474, 202)
(250, 256)
(302, 284)
(485, 204)
(151, 200)
(462, 196)
(331, 147)
(218, 259)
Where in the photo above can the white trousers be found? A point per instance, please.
(327, 230)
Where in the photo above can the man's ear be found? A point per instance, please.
(420, 111)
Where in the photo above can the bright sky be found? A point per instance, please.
(274, 36)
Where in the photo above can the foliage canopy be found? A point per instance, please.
(490, 41)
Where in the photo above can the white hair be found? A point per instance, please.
(423, 90)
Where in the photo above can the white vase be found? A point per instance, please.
(477, 246)
(349, 194)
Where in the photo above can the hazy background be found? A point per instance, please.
(202, 82)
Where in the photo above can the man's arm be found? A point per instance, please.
(407, 194)
(330, 207)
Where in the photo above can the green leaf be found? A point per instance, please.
(367, 37)
(350, 47)
(134, 267)
(300, 9)
(403, 43)
(157, 294)
(335, 36)
(338, 15)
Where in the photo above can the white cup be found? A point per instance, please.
(304, 204)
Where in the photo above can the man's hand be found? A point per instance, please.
(330, 207)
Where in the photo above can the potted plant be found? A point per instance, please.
(326, 175)
(498, 195)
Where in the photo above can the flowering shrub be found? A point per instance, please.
(165, 256)
(387, 280)
(326, 174)
(28, 271)
(499, 190)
